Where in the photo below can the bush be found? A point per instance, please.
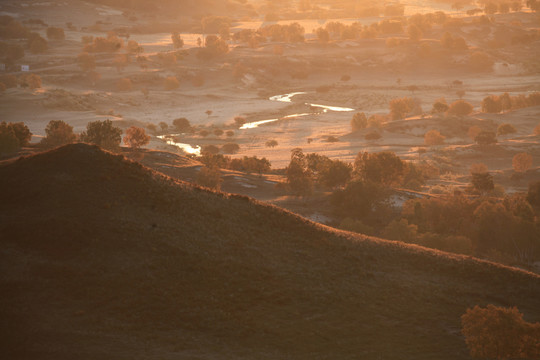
(22, 133)
(103, 134)
(111, 43)
(500, 333)
(482, 182)
(218, 132)
(58, 133)
(55, 33)
(210, 149)
(239, 121)
(491, 104)
(136, 137)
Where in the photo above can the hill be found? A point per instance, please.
(103, 258)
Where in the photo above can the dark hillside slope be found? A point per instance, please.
(101, 258)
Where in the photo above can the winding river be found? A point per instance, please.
(287, 98)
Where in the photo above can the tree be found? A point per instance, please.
(323, 35)
(177, 40)
(522, 162)
(500, 333)
(133, 47)
(414, 32)
(86, 61)
(230, 148)
(482, 182)
(359, 121)
(433, 137)
(103, 134)
(299, 177)
(505, 129)
(55, 33)
(37, 44)
(124, 84)
(460, 108)
(218, 132)
(382, 168)
(8, 141)
(136, 137)
(58, 133)
(163, 126)
(399, 108)
(239, 121)
(480, 61)
(491, 104)
(271, 143)
(335, 173)
(22, 133)
(485, 138)
(360, 200)
(209, 177)
(533, 195)
(171, 83)
(182, 125)
(31, 81)
(439, 107)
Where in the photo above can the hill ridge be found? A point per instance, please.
(103, 256)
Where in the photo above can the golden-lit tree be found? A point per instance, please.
(136, 137)
(58, 133)
(522, 162)
(500, 333)
(433, 137)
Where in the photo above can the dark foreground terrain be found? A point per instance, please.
(102, 258)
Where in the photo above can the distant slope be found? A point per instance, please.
(103, 258)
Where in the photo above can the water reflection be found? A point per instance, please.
(187, 148)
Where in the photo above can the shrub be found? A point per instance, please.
(55, 33)
(500, 333)
(433, 137)
(505, 129)
(103, 134)
(522, 162)
(136, 137)
(482, 182)
(230, 148)
(171, 83)
(58, 133)
(209, 177)
(111, 43)
(229, 133)
(460, 108)
(218, 132)
(31, 81)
